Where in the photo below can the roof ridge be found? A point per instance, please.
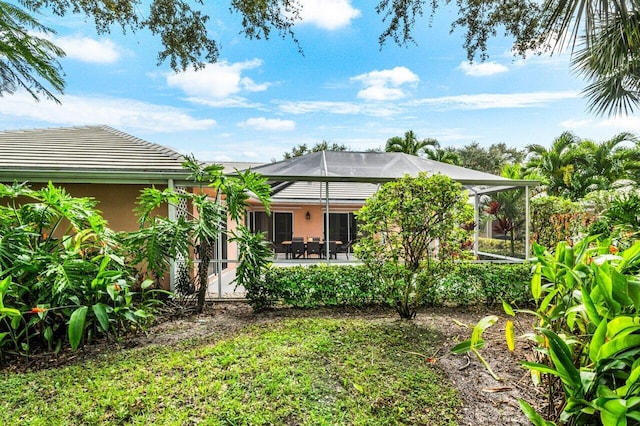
(161, 148)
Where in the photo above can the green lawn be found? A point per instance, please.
(308, 371)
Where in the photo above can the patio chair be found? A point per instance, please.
(333, 250)
(313, 247)
(297, 249)
(279, 248)
(345, 248)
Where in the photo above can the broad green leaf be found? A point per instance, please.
(76, 326)
(481, 326)
(598, 339)
(630, 257)
(633, 291)
(544, 369)
(618, 345)
(622, 326)
(613, 413)
(464, 347)
(510, 335)
(146, 284)
(619, 288)
(508, 309)
(10, 312)
(533, 415)
(100, 311)
(48, 334)
(4, 286)
(536, 283)
(633, 377)
(562, 358)
(590, 307)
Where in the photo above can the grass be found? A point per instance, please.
(304, 371)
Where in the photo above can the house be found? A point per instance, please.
(91, 161)
(313, 197)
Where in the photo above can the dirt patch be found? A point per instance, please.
(486, 401)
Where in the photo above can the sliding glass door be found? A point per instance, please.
(278, 227)
(342, 227)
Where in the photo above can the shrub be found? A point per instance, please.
(62, 274)
(555, 219)
(588, 299)
(316, 285)
(409, 226)
(487, 283)
(321, 285)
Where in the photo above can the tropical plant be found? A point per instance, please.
(610, 161)
(410, 226)
(557, 165)
(489, 160)
(62, 274)
(409, 144)
(29, 61)
(161, 239)
(446, 155)
(573, 168)
(588, 334)
(475, 343)
(254, 254)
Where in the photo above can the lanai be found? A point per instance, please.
(381, 167)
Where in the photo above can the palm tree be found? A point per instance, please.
(446, 155)
(26, 60)
(409, 144)
(557, 164)
(609, 161)
(608, 57)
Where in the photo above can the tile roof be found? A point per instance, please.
(85, 154)
(314, 192)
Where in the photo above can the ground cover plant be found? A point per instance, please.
(295, 371)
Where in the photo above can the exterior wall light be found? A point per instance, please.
(308, 216)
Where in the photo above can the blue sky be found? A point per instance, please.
(264, 97)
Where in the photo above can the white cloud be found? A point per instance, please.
(494, 101)
(482, 69)
(217, 81)
(271, 124)
(328, 14)
(116, 112)
(386, 84)
(575, 124)
(86, 49)
(340, 108)
(621, 123)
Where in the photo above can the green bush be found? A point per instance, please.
(321, 285)
(63, 279)
(317, 285)
(588, 333)
(482, 283)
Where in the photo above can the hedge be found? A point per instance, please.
(353, 285)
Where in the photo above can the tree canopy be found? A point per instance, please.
(302, 149)
(601, 33)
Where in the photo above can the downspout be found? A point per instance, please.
(172, 214)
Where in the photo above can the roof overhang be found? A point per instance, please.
(96, 176)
